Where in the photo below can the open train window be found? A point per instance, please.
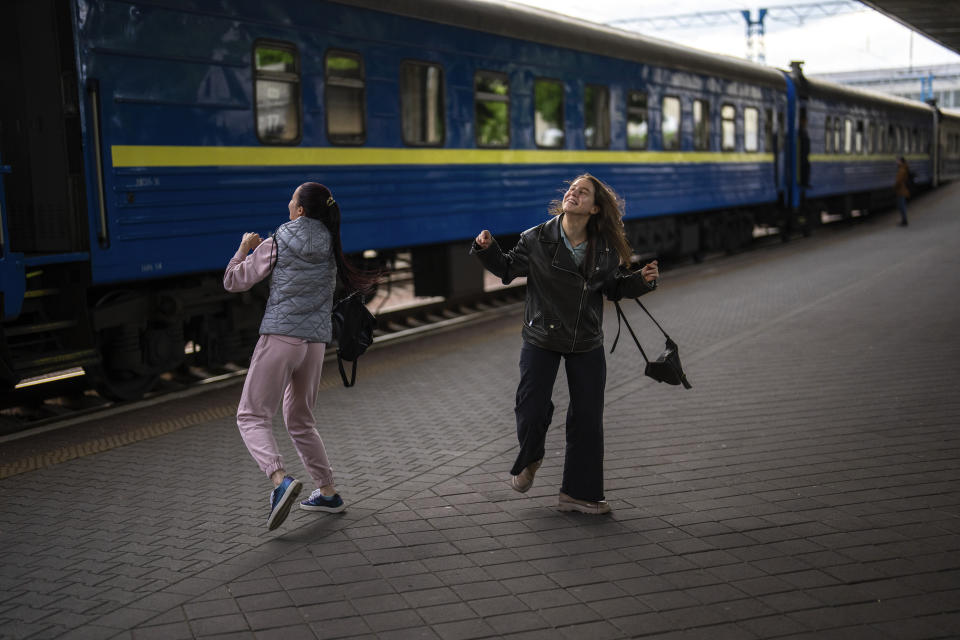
(916, 141)
(421, 103)
(276, 67)
(728, 128)
(837, 135)
(491, 106)
(871, 137)
(345, 97)
(751, 129)
(858, 137)
(548, 129)
(596, 116)
(881, 139)
(701, 125)
(637, 120)
(827, 136)
(670, 123)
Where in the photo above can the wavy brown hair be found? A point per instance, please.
(608, 223)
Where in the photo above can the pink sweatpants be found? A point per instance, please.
(287, 369)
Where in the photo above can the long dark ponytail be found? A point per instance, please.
(318, 203)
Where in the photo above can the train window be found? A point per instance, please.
(858, 137)
(491, 104)
(276, 68)
(670, 123)
(768, 130)
(637, 120)
(345, 97)
(827, 136)
(596, 116)
(421, 103)
(917, 147)
(847, 135)
(871, 137)
(548, 129)
(837, 136)
(701, 125)
(728, 128)
(751, 129)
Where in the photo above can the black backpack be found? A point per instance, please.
(353, 326)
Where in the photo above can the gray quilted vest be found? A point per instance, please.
(302, 282)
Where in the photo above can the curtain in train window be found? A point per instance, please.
(847, 135)
(858, 137)
(728, 128)
(548, 129)
(596, 117)
(637, 120)
(421, 103)
(701, 125)
(277, 92)
(491, 105)
(670, 123)
(345, 98)
(751, 129)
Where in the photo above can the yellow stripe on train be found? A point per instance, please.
(184, 156)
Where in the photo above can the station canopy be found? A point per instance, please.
(939, 20)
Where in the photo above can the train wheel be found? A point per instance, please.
(121, 386)
(123, 373)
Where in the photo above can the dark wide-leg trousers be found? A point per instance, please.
(586, 379)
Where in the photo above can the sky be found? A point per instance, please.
(860, 40)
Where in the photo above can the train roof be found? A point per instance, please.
(824, 89)
(949, 114)
(545, 27)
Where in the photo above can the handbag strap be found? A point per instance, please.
(622, 315)
(637, 300)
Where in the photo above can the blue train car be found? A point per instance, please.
(143, 138)
(948, 146)
(855, 138)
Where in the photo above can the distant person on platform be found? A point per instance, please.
(571, 262)
(902, 188)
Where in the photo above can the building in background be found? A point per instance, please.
(940, 82)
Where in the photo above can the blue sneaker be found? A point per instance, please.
(281, 499)
(320, 502)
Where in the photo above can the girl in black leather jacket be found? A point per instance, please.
(571, 262)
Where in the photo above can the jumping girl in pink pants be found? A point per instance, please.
(302, 260)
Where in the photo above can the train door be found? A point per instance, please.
(45, 217)
(40, 136)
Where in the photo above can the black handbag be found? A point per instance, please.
(667, 367)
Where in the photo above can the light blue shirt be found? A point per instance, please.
(579, 251)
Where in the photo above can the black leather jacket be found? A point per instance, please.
(564, 310)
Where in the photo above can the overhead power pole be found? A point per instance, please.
(793, 15)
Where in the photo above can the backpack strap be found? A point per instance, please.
(343, 374)
(622, 315)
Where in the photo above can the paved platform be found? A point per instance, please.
(808, 486)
